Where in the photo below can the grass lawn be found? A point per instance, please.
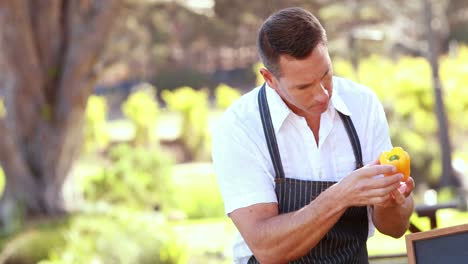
(207, 240)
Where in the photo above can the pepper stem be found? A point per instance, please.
(394, 157)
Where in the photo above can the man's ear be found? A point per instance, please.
(268, 77)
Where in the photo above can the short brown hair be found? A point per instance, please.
(292, 31)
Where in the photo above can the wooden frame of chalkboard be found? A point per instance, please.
(430, 246)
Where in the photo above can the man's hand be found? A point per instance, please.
(398, 196)
(362, 187)
(391, 216)
(391, 200)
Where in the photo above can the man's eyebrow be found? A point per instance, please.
(302, 86)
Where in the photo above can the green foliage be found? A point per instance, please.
(95, 133)
(32, 246)
(193, 106)
(454, 74)
(121, 236)
(197, 192)
(405, 89)
(142, 109)
(135, 176)
(225, 95)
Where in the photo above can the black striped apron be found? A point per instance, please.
(346, 240)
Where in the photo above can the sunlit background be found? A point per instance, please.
(107, 108)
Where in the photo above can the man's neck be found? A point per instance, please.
(313, 121)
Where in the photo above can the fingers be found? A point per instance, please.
(382, 191)
(409, 187)
(379, 200)
(402, 188)
(410, 183)
(395, 199)
(375, 162)
(368, 195)
(374, 170)
(388, 180)
(363, 188)
(398, 197)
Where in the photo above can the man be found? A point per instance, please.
(288, 156)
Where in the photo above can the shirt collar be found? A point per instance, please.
(338, 102)
(280, 111)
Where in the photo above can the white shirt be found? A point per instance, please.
(242, 162)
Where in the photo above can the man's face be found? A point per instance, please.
(305, 85)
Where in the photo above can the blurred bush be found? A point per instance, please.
(120, 237)
(117, 236)
(95, 133)
(142, 109)
(405, 90)
(134, 176)
(32, 246)
(225, 95)
(197, 192)
(193, 106)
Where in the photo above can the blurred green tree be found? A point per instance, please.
(141, 108)
(226, 95)
(405, 89)
(134, 177)
(95, 130)
(193, 105)
(47, 53)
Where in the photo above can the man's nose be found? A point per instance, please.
(323, 95)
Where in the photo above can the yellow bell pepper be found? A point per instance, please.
(398, 158)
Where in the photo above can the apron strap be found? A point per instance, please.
(354, 138)
(271, 138)
(270, 133)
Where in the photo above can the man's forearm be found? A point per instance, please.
(290, 236)
(393, 221)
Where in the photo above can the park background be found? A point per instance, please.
(107, 109)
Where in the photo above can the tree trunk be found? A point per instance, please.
(47, 53)
(448, 178)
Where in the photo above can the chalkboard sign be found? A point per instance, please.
(443, 245)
